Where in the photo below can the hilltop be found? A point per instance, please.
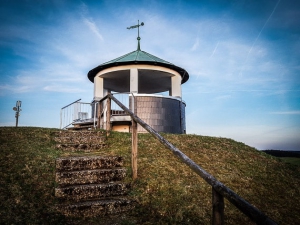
(168, 192)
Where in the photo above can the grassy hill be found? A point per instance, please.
(168, 192)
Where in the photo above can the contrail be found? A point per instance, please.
(214, 50)
(259, 35)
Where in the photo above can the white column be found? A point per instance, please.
(176, 86)
(98, 88)
(134, 80)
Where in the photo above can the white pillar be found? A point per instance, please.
(176, 86)
(134, 80)
(98, 88)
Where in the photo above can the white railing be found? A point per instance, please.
(81, 112)
(75, 112)
(123, 98)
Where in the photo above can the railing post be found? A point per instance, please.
(99, 109)
(218, 208)
(108, 114)
(134, 139)
(60, 126)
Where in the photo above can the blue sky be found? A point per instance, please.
(243, 58)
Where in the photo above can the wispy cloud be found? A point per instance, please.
(292, 112)
(12, 89)
(222, 97)
(46, 78)
(93, 27)
(63, 89)
(196, 45)
(4, 88)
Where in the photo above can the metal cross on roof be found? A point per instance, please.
(137, 26)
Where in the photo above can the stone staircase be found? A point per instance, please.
(90, 186)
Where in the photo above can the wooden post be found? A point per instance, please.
(218, 208)
(108, 113)
(134, 139)
(99, 110)
(134, 150)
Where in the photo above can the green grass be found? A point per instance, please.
(291, 160)
(27, 176)
(168, 192)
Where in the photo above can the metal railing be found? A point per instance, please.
(80, 112)
(124, 99)
(219, 190)
(75, 112)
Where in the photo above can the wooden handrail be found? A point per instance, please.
(219, 189)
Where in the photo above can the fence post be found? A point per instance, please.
(134, 150)
(218, 208)
(134, 139)
(108, 114)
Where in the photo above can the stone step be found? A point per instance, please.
(97, 208)
(91, 191)
(90, 176)
(98, 140)
(80, 140)
(88, 163)
(80, 137)
(81, 147)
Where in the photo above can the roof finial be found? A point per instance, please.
(138, 38)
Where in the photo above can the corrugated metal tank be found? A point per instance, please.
(163, 114)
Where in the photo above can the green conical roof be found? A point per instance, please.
(138, 57)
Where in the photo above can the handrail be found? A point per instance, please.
(71, 103)
(249, 210)
(67, 126)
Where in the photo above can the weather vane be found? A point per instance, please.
(137, 26)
